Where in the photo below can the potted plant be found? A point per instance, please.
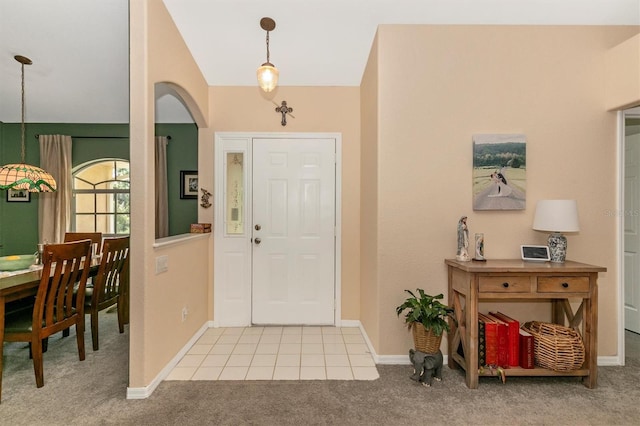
(427, 318)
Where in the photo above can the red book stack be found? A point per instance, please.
(513, 338)
(482, 346)
(503, 342)
(526, 349)
(490, 339)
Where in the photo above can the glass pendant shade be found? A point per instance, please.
(267, 77)
(26, 177)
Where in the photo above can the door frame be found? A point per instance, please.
(621, 208)
(219, 138)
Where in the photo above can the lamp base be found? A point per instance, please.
(557, 247)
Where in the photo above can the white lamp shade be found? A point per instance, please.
(556, 216)
(267, 77)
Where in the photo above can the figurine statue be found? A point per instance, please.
(463, 241)
(479, 247)
(426, 367)
(204, 200)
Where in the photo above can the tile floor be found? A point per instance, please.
(278, 353)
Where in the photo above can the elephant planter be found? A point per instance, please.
(426, 367)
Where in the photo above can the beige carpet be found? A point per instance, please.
(92, 392)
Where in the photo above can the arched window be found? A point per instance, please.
(101, 198)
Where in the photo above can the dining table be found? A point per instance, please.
(20, 284)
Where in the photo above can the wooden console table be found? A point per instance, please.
(470, 282)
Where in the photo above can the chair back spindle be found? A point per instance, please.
(110, 285)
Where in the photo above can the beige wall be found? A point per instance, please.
(369, 110)
(623, 74)
(157, 332)
(437, 86)
(425, 92)
(316, 109)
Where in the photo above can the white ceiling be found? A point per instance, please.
(79, 48)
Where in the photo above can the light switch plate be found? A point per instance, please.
(162, 264)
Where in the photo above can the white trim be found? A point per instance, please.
(603, 361)
(620, 146)
(378, 359)
(338, 233)
(393, 359)
(175, 240)
(146, 391)
(610, 361)
(351, 323)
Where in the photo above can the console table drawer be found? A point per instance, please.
(563, 284)
(507, 284)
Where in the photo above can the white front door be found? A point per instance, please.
(293, 230)
(632, 234)
(289, 187)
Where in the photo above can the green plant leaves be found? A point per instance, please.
(426, 309)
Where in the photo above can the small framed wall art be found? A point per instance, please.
(499, 172)
(188, 184)
(18, 196)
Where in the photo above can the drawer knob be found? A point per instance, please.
(505, 285)
(565, 285)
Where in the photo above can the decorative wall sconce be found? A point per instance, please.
(284, 110)
(267, 73)
(204, 200)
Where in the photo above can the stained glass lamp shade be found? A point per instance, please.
(24, 176)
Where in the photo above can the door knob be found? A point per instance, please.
(257, 240)
(258, 227)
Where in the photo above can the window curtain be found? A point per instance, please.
(162, 196)
(54, 208)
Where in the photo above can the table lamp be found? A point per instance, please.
(556, 216)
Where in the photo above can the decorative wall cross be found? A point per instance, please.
(284, 110)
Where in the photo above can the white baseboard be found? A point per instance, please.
(392, 359)
(609, 361)
(146, 391)
(350, 323)
(378, 359)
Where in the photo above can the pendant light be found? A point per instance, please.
(267, 73)
(24, 176)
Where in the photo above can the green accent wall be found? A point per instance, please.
(182, 154)
(19, 221)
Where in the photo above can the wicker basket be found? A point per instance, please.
(556, 347)
(424, 340)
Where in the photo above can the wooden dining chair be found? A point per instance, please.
(95, 237)
(110, 285)
(57, 306)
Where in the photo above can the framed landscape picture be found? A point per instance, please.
(499, 172)
(18, 196)
(188, 184)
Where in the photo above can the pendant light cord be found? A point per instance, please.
(268, 47)
(22, 128)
